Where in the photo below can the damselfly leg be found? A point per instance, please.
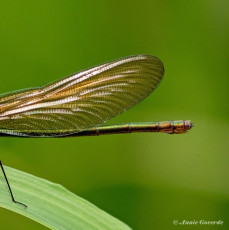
(7, 182)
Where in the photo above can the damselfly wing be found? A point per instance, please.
(80, 101)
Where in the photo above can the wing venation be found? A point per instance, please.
(82, 100)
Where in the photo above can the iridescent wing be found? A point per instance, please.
(82, 100)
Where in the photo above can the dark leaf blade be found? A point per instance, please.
(82, 100)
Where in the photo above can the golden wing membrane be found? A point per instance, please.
(82, 100)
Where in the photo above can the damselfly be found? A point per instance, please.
(79, 104)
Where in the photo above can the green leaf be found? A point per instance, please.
(52, 205)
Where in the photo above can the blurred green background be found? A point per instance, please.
(145, 180)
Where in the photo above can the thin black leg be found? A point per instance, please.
(11, 194)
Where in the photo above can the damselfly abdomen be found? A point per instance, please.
(79, 104)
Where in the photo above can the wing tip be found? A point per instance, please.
(149, 57)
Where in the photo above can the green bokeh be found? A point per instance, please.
(145, 180)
